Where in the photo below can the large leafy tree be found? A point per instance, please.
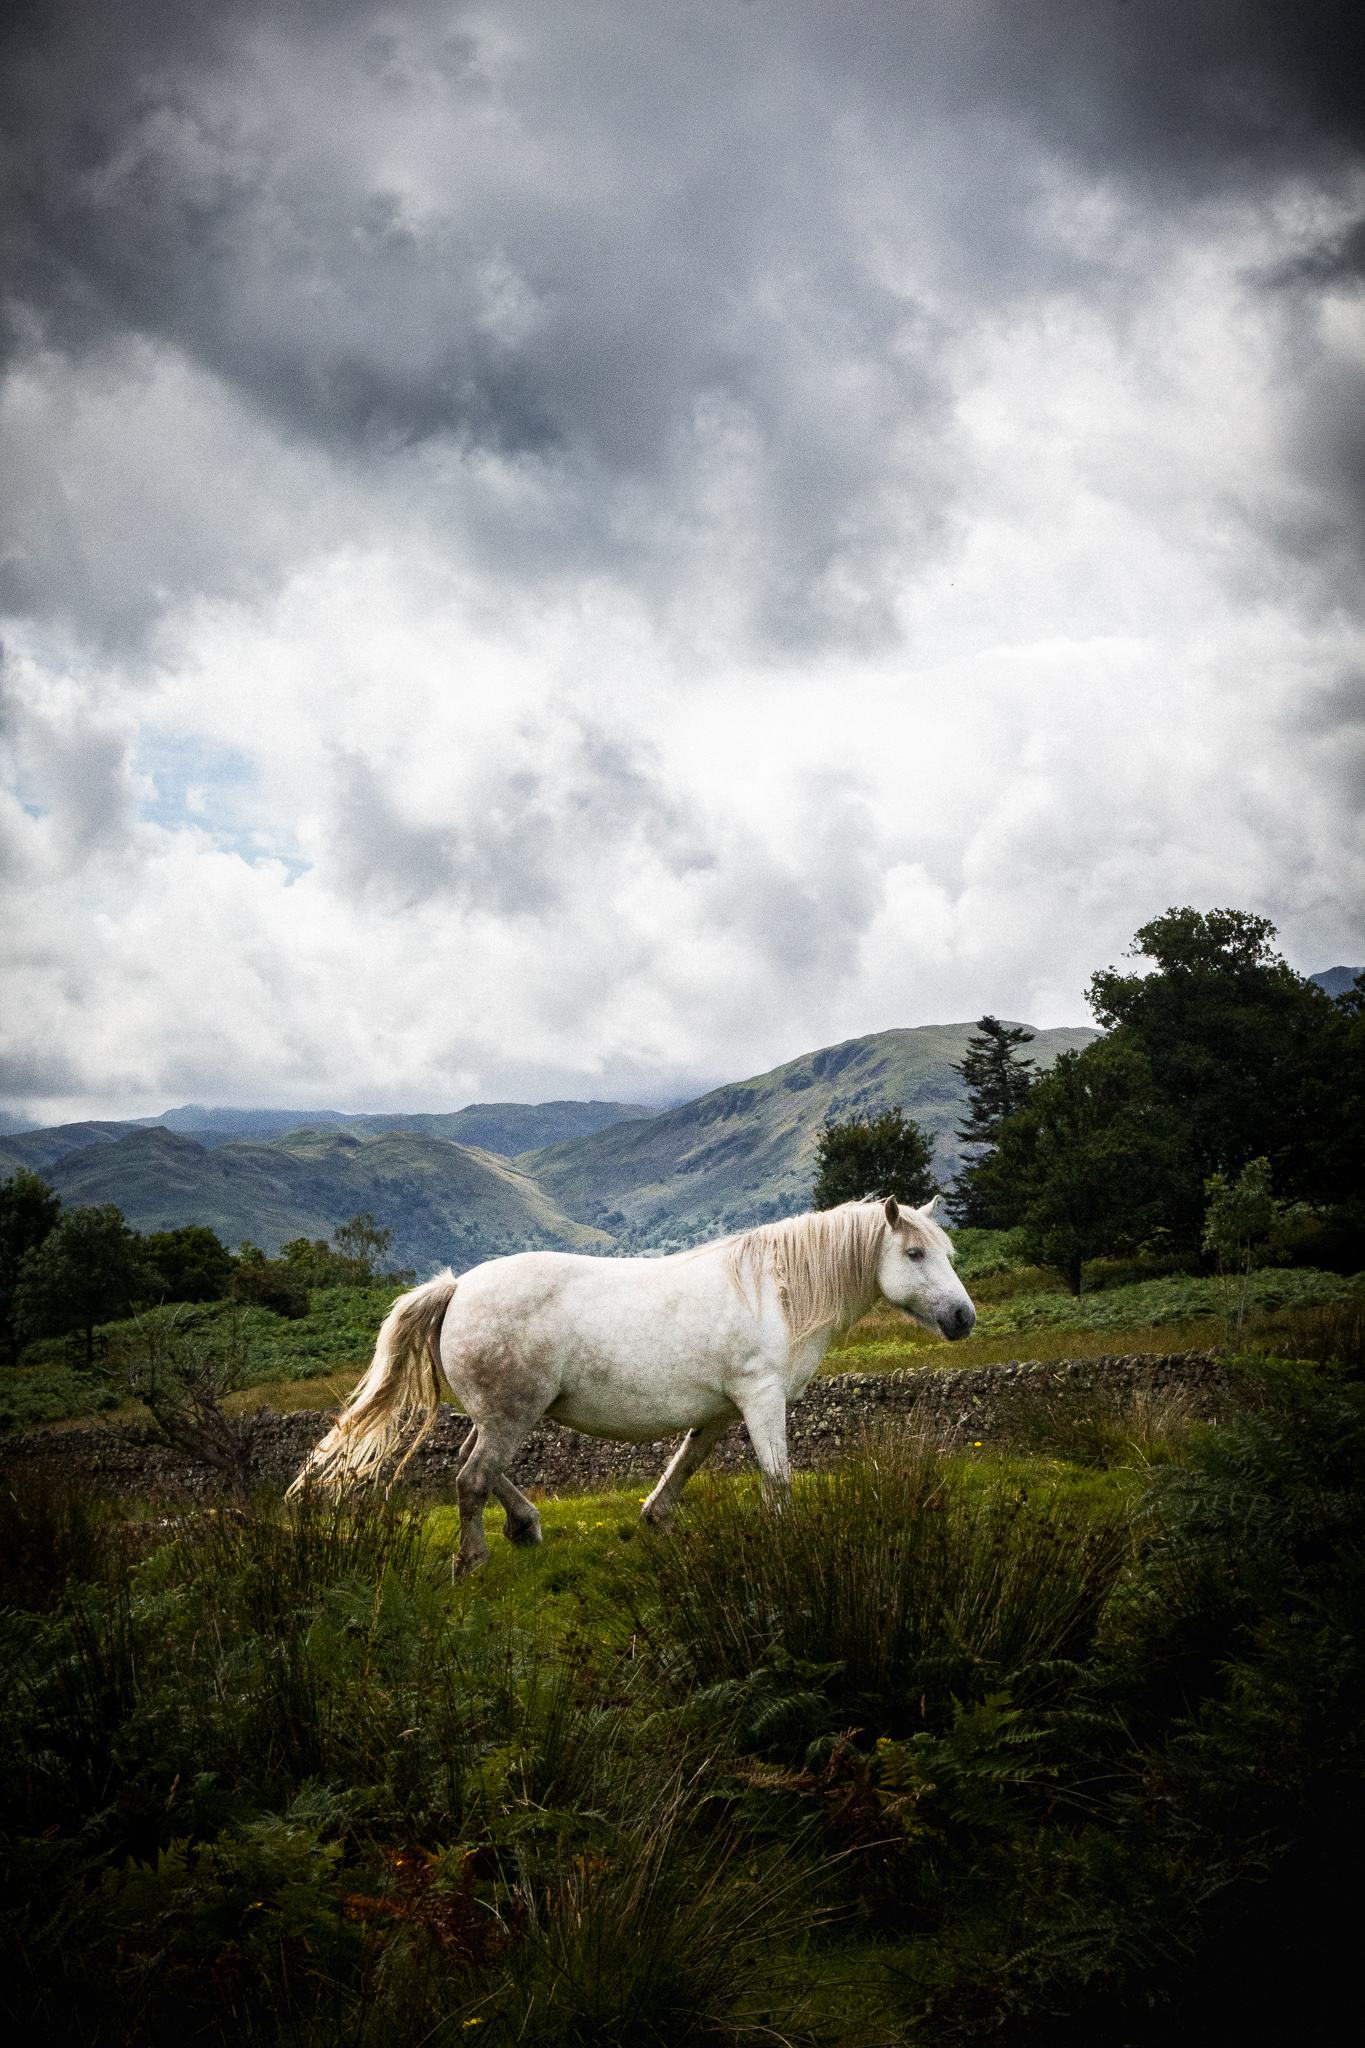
(997, 1081)
(350, 1260)
(193, 1261)
(1230, 1033)
(1087, 1166)
(28, 1213)
(887, 1154)
(1323, 1160)
(89, 1269)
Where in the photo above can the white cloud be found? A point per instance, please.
(891, 562)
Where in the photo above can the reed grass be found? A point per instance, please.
(902, 1586)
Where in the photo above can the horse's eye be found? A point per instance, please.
(915, 1252)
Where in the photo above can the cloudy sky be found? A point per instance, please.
(556, 548)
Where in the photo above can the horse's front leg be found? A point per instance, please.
(695, 1448)
(765, 1418)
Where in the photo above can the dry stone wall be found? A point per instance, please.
(967, 1405)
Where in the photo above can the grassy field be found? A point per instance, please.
(1063, 1738)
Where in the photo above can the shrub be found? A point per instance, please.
(29, 1399)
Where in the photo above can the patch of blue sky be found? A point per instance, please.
(189, 782)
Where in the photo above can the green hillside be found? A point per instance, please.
(447, 1204)
(746, 1152)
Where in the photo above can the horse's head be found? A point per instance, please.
(916, 1271)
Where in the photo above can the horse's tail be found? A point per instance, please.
(403, 1380)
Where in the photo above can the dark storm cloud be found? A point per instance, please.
(625, 244)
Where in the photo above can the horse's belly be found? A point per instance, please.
(639, 1416)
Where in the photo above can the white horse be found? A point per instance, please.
(636, 1349)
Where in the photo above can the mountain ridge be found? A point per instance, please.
(745, 1152)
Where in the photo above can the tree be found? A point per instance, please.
(1087, 1165)
(91, 1268)
(1230, 1033)
(350, 1259)
(1245, 1227)
(28, 1213)
(193, 1261)
(362, 1239)
(997, 1082)
(1324, 1158)
(269, 1283)
(873, 1155)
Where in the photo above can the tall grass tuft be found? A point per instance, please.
(887, 1588)
(1328, 1336)
(283, 1554)
(662, 1937)
(1105, 1428)
(55, 1533)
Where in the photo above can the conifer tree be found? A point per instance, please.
(997, 1082)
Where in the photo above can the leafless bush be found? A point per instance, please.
(183, 1385)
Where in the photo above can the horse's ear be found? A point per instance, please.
(893, 1210)
(927, 1212)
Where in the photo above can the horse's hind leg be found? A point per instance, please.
(695, 1448)
(481, 1473)
(523, 1517)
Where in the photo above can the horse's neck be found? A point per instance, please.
(858, 1304)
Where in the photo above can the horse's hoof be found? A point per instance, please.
(662, 1523)
(464, 1567)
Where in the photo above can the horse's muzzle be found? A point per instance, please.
(957, 1322)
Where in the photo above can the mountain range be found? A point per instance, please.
(582, 1176)
(505, 1127)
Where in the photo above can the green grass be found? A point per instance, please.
(1172, 1313)
(948, 1742)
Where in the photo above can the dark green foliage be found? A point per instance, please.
(997, 1081)
(885, 1154)
(1221, 1055)
(28, 1213)
(88, 1269)
(52, 1394)
(280, 1285)
(53, 1532)
(1233, 1038)
(1089, 1166)
(998, 1761)
(338, 1331)
(194, 1263)
(290, 1784)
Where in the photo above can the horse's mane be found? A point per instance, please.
(823, 1264)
